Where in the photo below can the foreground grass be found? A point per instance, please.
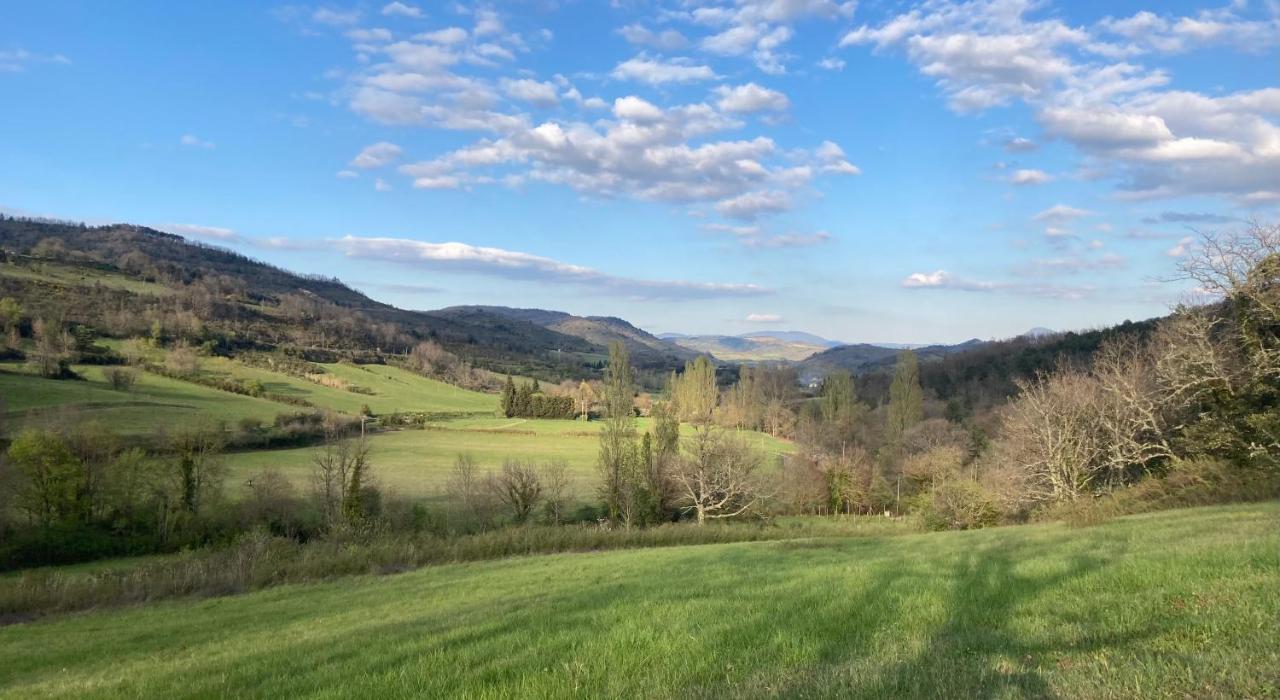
(1179, 604)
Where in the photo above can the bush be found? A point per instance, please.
(960, 504)
(120, 378)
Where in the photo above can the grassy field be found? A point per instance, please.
(154, 401)
(418, 462)
(157, 400)
(75, 276)
(1177, 604)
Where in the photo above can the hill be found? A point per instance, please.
(240, 303)
(863, 357)
(647, 350)
(1175, 604)
(749, 348)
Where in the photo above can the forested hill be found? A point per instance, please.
(986, 373)
(122, 279)
(647, 350)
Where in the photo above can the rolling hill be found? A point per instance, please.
(760, 346)
(49, 266)
(647, 350)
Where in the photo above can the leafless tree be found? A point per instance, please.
(716, 477)
(333, 466)
(518, 487)
(556, 490)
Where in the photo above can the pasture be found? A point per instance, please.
(1174, 604)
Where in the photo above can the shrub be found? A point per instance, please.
(960, 504)
(120, 378)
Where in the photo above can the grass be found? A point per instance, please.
(394, 389)
(1176, 604)
(76, 276)
(154, 401)
(417, 463)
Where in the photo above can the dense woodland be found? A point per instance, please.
(1145, 415)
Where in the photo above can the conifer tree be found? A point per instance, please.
(509, 398)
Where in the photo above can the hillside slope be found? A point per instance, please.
(49, 267)
(1176, 604)
(646, 349)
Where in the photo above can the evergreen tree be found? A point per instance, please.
(838, 396)
(509, 398)
(906, 398)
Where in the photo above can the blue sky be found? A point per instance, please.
(874, 171)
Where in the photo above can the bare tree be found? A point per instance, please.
(518, 487)
(556, 489)
(716, 477)
(334, 468)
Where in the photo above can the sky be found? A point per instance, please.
(868, 171)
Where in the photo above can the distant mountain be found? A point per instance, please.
(749, 348)
(1039, 332)
(647, 350)
(863, 357)
(800, 337)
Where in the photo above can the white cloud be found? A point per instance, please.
(749, 98)
(1018, 144)
(17, 60)
(370, 36)
(665, 40)
(376, 155)
(632, 108)
(401, 9)
(348, 174)
(213, 233)
(751, 205)
(830, 63)
(448, 36)
(535, 93)
(381, 185)
(1029, 177)
(1181, 248)
(764, 318)
(336, 18)
(941, 279)
(193, 141)
(1061, 214)
(657, 71)
(497, 262)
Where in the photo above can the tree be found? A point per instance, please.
(584, 398)
(838, 396)
(338, 476)
(694, 392)
(197, 468)
(508, 404)
(48, 358)
(10, 315)
(556, 490)
(469, 493)
(618, 450)
(518, 487)
(906, 399)
(50, 476)
(716, 477)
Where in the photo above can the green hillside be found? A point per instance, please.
(1177, 604)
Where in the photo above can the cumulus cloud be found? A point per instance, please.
(1030, 177)
(764, 318)
(1189, 217)
(335, 18)
(665, 40)
(759, 29)
(1019, 144)
(1156, 143)
(536, 93)
(402, 10)
(750, 98)
(210, 233)
(751, 205)
(657, 71)
(507, 264)
(376, 155)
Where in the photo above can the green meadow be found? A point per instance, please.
(417, 463)
(1176, 604)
